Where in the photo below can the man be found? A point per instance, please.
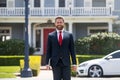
(60, 47)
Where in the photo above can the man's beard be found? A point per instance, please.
(60, 27)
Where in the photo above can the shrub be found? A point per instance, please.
(31, 50)
(100, 43)
(10, 60)
(82, 58)
(82, 45)
(14, 47)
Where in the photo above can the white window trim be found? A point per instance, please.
(2, 28)
(94, 28)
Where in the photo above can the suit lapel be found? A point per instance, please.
(64, 36)
(56, 38)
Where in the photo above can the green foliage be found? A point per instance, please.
(82, 45)
(14, 47)
(8, 71)
(73, 73)
(100, 43)
(82, 58)
(31, 50)
(10, 60)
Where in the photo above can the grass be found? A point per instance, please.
(7, 75)
(8, 71)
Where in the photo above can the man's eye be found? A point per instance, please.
(59, 22)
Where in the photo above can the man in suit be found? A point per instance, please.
(60, 47)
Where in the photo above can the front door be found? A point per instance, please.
(45, 34)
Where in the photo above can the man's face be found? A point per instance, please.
(59, 23)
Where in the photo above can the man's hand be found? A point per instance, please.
(48, 67)
(74, 68)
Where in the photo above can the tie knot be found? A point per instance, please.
(60, 31)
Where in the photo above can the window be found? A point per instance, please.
(5, 34)
(99, 3)
(38, 38)
(2, 3)
(61, 3)
(116, 55)
(37, 3)
(92, 30)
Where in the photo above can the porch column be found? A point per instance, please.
(42, 5)
(110, 29)
(70, 27)
(29, 33)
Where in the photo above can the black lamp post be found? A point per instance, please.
(26, 72)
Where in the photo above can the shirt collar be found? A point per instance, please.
(59, 30)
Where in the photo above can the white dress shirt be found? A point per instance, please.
(58, 32)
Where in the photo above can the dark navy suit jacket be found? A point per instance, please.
(56, 52)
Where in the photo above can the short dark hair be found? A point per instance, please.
(59, 17)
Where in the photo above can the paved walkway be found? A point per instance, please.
(47, 75)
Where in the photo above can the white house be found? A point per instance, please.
(82, 18)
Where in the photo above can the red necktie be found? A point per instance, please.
(60, 38)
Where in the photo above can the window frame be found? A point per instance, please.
(10, 31)
(96, 28)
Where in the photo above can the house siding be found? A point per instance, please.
(19, 3)
(16, 28)
(80, 29)
(99, 3)
(117, 8)
(79, 3)
(49, 3)
(117, 5)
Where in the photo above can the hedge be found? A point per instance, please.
(99, 43)
(14, 47)
(10, 60)
(82, 58)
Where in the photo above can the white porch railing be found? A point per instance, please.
(12, 11)
(93, 11)
(77, 11)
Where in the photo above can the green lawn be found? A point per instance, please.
(8, 71)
